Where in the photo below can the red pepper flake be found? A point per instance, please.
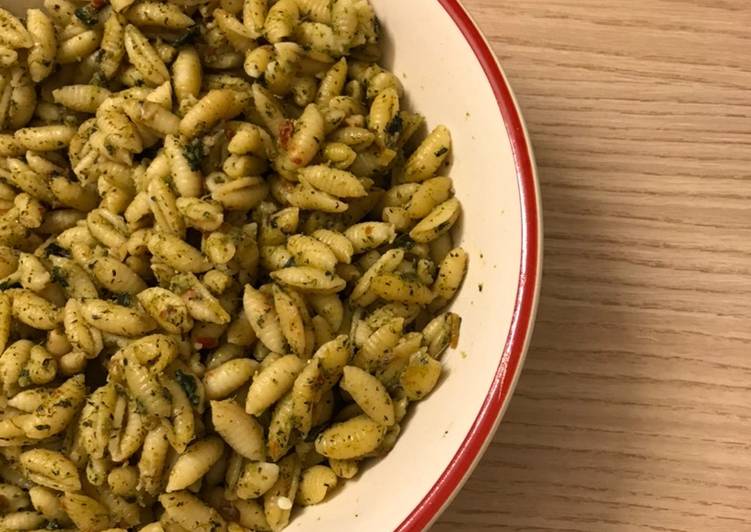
(190, 294)
(285, 132)
(98, 4)
(206, 342)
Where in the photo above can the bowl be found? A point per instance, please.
(451, 76)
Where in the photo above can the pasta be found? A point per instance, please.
(257, 478)
(225, 261)
(350, 439)
(241, 431)
(85, 512)
(46, 502)
(194, 462)
(26, 520)
(315, 483)
(50, 469)
(272, 383)
(144, 57)
(189, 512)
(369, 394)
(42, 53)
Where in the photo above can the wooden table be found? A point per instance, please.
(633, 409)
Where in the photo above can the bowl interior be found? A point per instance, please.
(444, 81)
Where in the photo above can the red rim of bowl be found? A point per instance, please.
(505, 377)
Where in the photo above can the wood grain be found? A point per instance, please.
(633, 409)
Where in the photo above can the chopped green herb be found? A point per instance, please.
(404, 241)
(55, 249)
(123, 299)
(6, 285)
(58, 275)
(395, 126)
(377, 28)
(443, 225)
(98, 78)
(188, 37)
(188, 384)
(193, 151)
(88, 15)
(120, 298)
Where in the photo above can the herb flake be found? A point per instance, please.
(59, 276)
(123, 299)
(193, 152)
(404, 241)
(188, 383)
(55, 249)
(88, 15)
(395, 126)
(10, 283)
(188, 37)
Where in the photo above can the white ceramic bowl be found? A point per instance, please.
(451, 76)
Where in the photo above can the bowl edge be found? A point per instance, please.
(525, 309)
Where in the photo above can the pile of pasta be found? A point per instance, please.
(225, 257)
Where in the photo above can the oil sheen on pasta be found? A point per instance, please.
(225, 258)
